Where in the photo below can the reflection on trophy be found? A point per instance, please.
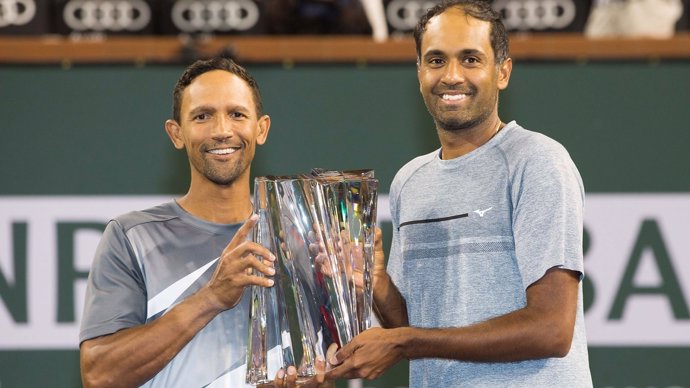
(321, 229)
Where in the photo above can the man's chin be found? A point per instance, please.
(221, 175)
(222, 179)
(455, 125)
(227, 180)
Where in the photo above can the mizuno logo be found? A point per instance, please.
(481, 212)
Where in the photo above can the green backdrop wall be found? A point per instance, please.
(98, 131)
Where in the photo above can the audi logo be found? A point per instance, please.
(16, 12)
(215, 15)
(106, 15)
(536, 14)
(403, 15)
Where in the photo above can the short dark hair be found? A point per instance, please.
(203, 66)
(478, 9)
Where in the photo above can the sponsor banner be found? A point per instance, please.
(104, 16)
(517, 15)
(211, 17)
(684, 21)
(25, 17)
(543, 15)
(402, 15)
(637, 259)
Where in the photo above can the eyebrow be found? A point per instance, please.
(200, 109)
(463, 52)
(241, 108)
(209, 108)
(472, 52)
(433, 53)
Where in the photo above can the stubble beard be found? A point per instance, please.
(456, 124)
(219, 173)
(463, 118)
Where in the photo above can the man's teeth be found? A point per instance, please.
(453, 97)
(222, 151)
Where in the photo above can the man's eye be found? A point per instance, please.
(472, 60)
(436, 61)
(202, 116)
(238, 115)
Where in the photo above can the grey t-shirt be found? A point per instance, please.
(148, 261)
(472, 233)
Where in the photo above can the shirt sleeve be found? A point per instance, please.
(394, 266)
(548, 198)
(115, 293)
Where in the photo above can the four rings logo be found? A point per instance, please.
(16, 12)
(536, 14)
(215, 15)
(106, 15)
(403, 15)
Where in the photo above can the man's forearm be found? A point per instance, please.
(544, 328)
(130, 357)
(503, 339)
(389, 304)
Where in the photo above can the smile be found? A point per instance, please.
(222, 151)
(453, 97)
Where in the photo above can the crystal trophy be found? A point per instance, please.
(321, 229)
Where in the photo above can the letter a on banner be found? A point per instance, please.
(650, 238)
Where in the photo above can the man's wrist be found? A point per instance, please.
(382, 287)
(404, 338)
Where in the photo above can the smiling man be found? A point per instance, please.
(165, 302)
(483, 287)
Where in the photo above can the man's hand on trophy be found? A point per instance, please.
(345, 250)
(368, 355)
(289, 378)
(236, 268)
(358, 258)
(318, 250)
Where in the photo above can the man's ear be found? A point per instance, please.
(172, 128)
(504, 70)
(419, 81)
(263, 125)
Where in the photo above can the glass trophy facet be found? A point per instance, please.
(356, 196)
(264, 312)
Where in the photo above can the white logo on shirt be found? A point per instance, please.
(481, 212)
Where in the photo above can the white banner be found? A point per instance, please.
(638, 259)
(637, 263)
(41, 215)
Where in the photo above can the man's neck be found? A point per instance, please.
(219, 204)
(461, 142)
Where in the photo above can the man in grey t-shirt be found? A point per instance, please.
(164, 305)
(483, 287)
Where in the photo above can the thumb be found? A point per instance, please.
(242, 233)
(342, 354)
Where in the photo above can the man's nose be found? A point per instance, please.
(223, 127)
(454, 73)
